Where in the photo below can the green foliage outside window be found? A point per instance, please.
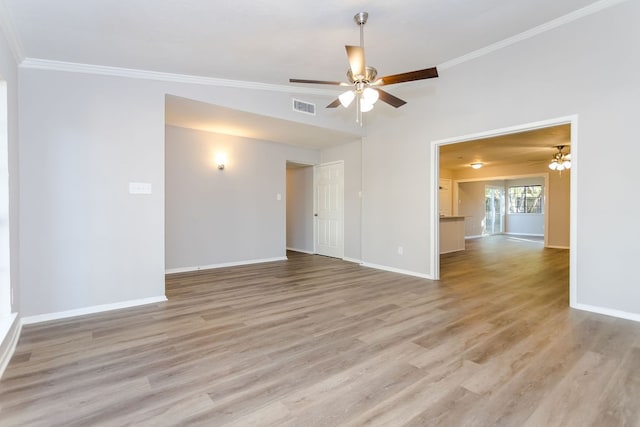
(525, 199)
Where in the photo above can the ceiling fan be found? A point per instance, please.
(365, 85)
(560, 161)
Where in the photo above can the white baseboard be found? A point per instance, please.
(222, 265)
(355, 261)
(397, 270)
(480, 236)
(9, 335)
(524, 234)
(607, 311)
(300, 250)
(91, 310)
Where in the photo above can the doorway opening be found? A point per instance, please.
(571, 123)
(299, 209)
(315, 208)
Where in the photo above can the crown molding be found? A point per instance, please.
(74, 67)
(9, 31)
(555, 23)
(46, 64)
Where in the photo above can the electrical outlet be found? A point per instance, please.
(400, 250)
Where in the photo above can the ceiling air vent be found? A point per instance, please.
(304, 107)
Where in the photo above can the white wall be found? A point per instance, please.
(225, 216)
(300, 209)
(351, 154)
(587, 67)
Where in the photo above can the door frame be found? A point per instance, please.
(315, 207)
(571, 120)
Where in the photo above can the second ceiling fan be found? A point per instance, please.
(365, 85)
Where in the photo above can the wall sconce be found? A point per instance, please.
(221, 159)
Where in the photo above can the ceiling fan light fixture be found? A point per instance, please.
(560, 160)
(365, 106)
(347, 98)
(370, 96)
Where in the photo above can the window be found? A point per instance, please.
(525, 199)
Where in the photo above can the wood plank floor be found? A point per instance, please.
(315, 341)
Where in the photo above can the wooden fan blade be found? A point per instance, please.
(394, 101)
(334, 104)
(316, 82)
(356, 61)
(427, 73)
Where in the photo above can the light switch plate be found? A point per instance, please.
(139, 188)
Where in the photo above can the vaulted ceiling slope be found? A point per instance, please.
(269, 41)
(260, 42)
(191, 114)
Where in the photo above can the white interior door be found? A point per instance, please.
(329, 209)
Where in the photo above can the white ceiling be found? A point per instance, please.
(267, 41)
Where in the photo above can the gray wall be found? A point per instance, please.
(85, 241)
(300, 209)
(471, 201)
(558, 200)
(225, 216)
(471, 204)
(530, 224)
(587, 67)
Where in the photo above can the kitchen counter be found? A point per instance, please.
(451, 234)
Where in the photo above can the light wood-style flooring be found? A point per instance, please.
(315, 341)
